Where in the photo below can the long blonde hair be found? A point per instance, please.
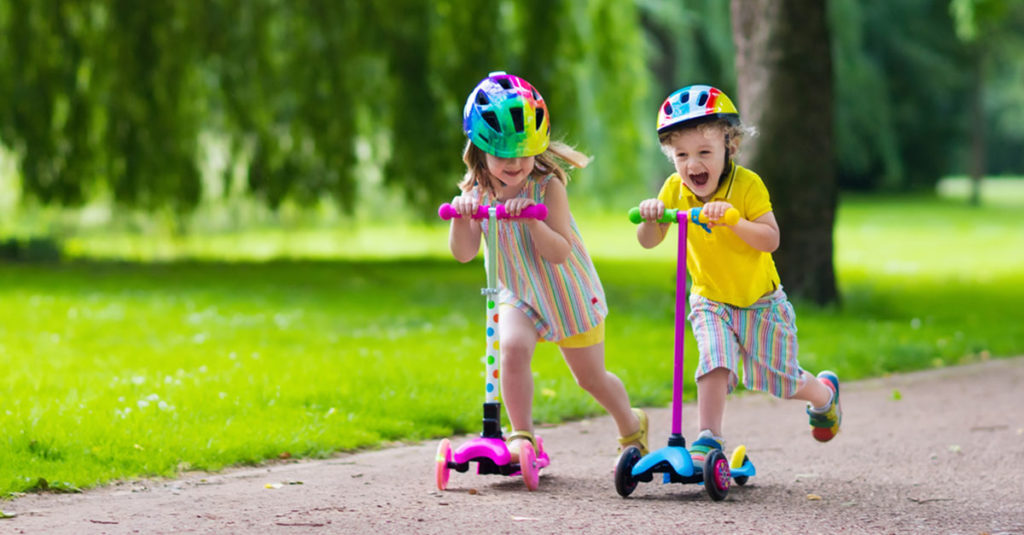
(557, 160)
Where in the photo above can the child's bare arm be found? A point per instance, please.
(761, 234)
(464, 234)
(649, 233)
(551, 236)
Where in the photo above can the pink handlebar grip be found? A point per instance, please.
(534, 211)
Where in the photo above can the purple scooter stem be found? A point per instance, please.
(682, 218)
(680, 333)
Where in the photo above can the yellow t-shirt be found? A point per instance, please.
(722, 266)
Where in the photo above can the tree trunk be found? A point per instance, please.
(784, 70)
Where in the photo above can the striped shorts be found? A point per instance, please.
(762, 336)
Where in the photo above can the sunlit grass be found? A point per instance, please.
(115, 370)
(996, 190)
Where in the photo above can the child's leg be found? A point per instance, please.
(587, 366)
(518, 340)
(712, 388)
(813, 391)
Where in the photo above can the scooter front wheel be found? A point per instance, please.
(528, 466)
(444, 456)
(625, 483)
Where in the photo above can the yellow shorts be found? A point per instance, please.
(584, 339)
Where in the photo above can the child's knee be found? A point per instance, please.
(592, 380)
(515, 354)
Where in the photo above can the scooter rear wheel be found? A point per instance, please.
(716, 475)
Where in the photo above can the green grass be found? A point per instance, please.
(117, 370)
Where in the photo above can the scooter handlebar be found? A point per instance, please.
(672, 215)
(534, 211)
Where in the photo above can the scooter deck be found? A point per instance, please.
(676, 465)
(492, 457)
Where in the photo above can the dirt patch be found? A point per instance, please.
(947, 456)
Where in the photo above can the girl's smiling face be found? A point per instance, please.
(699, 157)
(510, 172)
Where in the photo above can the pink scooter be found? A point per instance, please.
(489, 450)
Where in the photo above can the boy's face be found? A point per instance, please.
(699, 157)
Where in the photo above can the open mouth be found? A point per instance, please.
(699, 179)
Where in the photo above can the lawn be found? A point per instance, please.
(361, 336)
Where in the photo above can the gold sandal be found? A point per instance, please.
(639, 438)
(513, 445)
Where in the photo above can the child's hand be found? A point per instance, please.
(715, 211)
(516, 205)
(465, 205)
(652, 209)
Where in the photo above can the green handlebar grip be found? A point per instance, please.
(732, 216)
(668, 217)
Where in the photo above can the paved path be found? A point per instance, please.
(948, 457)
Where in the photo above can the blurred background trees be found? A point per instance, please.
(167, 104)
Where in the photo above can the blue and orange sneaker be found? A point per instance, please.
(825, 425)
(701, 447)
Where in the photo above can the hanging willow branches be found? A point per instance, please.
(114, 96)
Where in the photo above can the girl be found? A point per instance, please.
(548, 288)
(738, 310)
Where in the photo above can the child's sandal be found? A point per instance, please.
(639, 438)
(513, 442)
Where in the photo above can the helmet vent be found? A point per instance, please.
(668, 108)
(684, 98)
(536, 95)
(517, 118)
(492, 120)
(703, 99)
(481, 98)
(540, 118)
(504, 83)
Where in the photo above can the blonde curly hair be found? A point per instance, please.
(734, 131)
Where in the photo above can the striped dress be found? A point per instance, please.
(562, 300)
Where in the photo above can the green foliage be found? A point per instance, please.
(30, 249)
(866, 137)
(113, 98)
(993, 31)
(119, 100)
(912, 86)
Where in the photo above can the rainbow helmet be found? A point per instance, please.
(695, 102)
(506, 117)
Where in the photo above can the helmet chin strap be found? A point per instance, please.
(726, 167)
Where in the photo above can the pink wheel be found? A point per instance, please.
(716, 475)
(444, 456)
(528, 465)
